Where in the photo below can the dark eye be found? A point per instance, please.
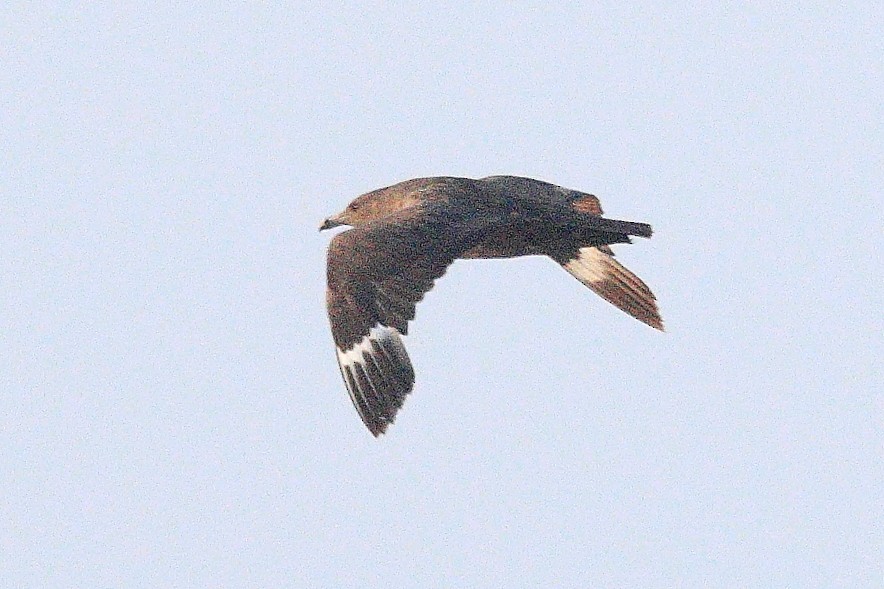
(354, 206)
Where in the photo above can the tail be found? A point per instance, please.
(596, 268)
(614, 226)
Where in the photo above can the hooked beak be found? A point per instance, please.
(329, 223)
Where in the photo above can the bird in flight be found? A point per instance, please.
(405, 236)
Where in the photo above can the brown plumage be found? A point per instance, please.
(405, 236)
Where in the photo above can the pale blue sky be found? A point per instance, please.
(171, 414)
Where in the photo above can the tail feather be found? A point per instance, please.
(605, 276)
(616, 226)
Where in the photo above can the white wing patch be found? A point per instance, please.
(357, 351)
(590, 267)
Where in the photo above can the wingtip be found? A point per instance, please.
(377, 429)
(653, 318)
(656, 323)
(378, 376)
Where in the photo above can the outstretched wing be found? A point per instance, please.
(377, 273)
(596, 268)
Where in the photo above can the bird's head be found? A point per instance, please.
(361, 210)
(373, 205)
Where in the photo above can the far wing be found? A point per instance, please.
(596, 268)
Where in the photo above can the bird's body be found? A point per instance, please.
(405, 236)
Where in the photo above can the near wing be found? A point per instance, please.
(377, 273)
